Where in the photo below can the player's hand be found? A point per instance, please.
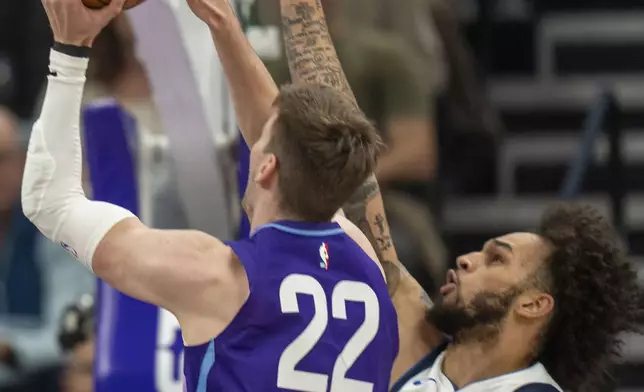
(74, 24)
(211, 11)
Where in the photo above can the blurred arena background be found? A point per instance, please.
(492, 110)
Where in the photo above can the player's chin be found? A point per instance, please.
(451, 299)
(447, 303)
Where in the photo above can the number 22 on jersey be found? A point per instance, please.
(287, 376)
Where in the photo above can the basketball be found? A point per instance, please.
(96, 4)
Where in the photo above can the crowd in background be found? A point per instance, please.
(413, 73)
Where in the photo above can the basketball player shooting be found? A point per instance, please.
(539, 311)
(302, 305)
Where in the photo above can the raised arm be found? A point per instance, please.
(312, 58)
(252, 87)
(172, 269)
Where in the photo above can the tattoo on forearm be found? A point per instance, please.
(377, 231)
(309, 49)
(355, 210)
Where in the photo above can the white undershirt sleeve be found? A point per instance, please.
(52, 193)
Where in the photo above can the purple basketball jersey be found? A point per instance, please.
(318, 318)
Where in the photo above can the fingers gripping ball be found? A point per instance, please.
(96, 4)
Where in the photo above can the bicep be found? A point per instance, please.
(168, 268)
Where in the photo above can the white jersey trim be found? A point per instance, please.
(426, 376)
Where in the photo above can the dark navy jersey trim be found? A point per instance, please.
(421, 365)
(537, 387)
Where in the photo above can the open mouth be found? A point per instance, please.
(451, 283)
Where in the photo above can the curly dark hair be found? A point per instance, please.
(596, 293)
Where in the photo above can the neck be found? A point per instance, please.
(268, 212)
(470, 361)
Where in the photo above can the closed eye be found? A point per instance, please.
(496, 259)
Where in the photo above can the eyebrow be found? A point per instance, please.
(502, 244)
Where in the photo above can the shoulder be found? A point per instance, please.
(537, 387)
(229, 259)
(219, 274)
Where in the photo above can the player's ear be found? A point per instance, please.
(267, 169)
(534, 304)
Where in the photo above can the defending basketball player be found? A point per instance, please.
(529, 312)
(302, 305)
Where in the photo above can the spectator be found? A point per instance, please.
(116, 72)
(414, 21)
(390, 85)
(470, 126)
(25, 40)
(37, 277)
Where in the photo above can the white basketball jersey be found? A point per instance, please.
(427, 376)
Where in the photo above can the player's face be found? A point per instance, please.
(486, 283)
(262, 166)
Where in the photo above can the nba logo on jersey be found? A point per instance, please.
(324, 256)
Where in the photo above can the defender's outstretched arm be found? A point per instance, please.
(312, 58)
(172, 269)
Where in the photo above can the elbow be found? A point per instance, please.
(105, 269)
(28, 209)
(107, 264)
(29, 201)
(27, 196)
(38, 174)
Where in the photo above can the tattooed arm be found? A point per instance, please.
(312, 59)
(311, 55)
(416, 337)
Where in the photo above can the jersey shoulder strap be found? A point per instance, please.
(246, 252)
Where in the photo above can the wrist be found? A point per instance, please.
(64, 66)
(222, 21)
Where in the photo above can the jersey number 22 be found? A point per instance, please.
(287, 376)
